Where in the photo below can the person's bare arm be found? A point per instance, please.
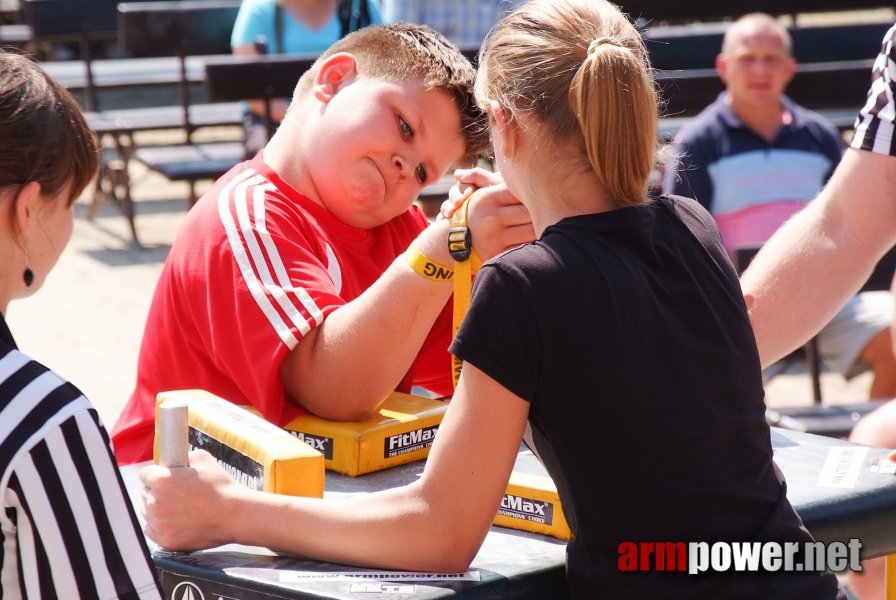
(821, 257)
(278, 105)
(346, 367)
(435, 524)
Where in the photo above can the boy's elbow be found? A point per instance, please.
(342, 408)
(341, 412)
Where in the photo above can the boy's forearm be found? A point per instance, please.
(346, 367)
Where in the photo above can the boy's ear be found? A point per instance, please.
(333, 73)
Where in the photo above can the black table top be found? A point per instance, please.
(836, 487)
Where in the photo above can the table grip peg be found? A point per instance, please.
(174, 442)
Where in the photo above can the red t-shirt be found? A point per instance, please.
(254, 267)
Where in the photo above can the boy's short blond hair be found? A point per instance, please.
(403, 52)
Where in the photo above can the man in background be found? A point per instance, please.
(753, 158)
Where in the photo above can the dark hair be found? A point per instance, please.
(403, 52)
(45, 136)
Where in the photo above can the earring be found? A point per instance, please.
(28, 275)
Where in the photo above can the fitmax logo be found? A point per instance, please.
(403, 443)
(322, 444)
(518, 507)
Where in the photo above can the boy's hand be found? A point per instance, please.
(466, 178)
(188, 508)
(498, 221)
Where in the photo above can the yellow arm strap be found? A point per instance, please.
(426, 266)
(460, 245)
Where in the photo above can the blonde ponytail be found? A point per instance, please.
(616, 108)
(581, 69)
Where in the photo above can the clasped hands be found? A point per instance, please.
(498, 221)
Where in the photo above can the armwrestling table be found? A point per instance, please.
(841, 491)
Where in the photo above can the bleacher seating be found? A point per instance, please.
(695, 45)
(228, 79)
(91, 24)
(690, 11)
(165, 43)
(836, 89)
(164, 59)
(684, 38)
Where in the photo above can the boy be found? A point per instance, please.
(285, 287)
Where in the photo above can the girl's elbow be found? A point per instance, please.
(449, 560)
(460, 548)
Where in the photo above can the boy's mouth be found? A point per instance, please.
(378, 169)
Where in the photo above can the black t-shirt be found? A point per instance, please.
(628, 334)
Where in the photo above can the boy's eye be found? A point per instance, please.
(406, 130)
(421, 173)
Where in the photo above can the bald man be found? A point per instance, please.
(754, 158)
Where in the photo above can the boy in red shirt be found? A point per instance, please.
(286, 287)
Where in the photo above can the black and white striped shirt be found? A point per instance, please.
(67, 528)
(875, 123)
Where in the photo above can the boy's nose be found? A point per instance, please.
(403, 164)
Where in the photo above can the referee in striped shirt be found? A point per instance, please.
(68, 527)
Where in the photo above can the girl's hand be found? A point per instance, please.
(176, 518)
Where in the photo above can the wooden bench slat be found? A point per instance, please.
(713, 10)
(15, 35)
(165, 117)
(127, 72)
(695, 46)
(815, 85)
(229, 78)
(192, 162)
(183, 28)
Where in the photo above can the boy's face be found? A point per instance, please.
(376, 144)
